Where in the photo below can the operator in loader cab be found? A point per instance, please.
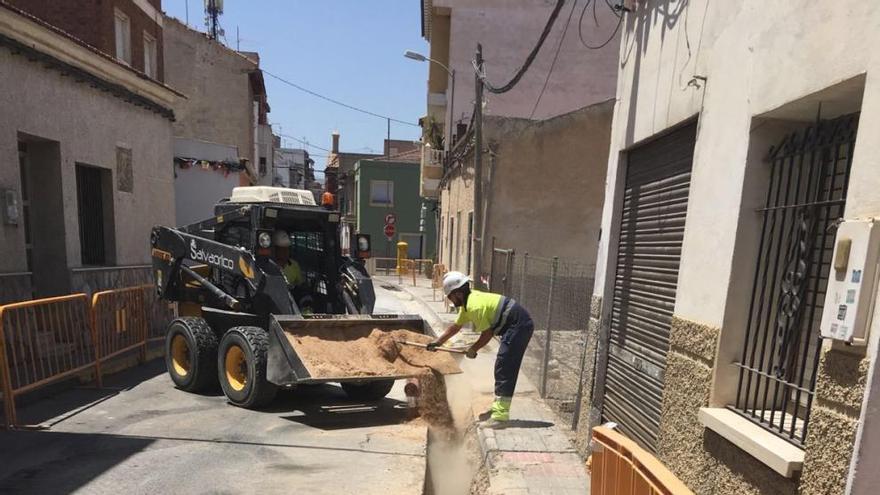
(291, 269)
(491, 315)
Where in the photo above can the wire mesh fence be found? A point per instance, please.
(556, 293)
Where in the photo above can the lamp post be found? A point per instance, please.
(421, 58)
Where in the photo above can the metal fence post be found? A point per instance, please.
(507, 272)
(492, 266)
(8, 397)
(553, 269)
(522, 279)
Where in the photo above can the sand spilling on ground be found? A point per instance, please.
(355, 353)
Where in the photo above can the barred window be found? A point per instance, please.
(806, 195)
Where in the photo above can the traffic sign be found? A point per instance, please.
(390, 219)
(389, 231)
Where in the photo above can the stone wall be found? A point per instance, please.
(582, 436)
(704, 461)
(840, 387)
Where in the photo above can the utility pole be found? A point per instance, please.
(477, 241)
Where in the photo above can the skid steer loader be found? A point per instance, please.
(240, 323)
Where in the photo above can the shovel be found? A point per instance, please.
(425, 346)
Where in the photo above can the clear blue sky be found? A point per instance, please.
(349, 50)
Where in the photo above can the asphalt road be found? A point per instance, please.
(141, 435)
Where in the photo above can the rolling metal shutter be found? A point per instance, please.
(649, 252)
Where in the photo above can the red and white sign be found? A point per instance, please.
(389, 231)
(390, 219)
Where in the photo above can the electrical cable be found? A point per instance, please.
(303, 142)
(337, 102)
(555, 57)
(581, 23)
(528, 62)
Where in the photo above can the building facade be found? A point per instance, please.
(294, 168)
(385, 187)
(129, 30)
(545, 142)
(507, 30)
(741, 144)
(80, 199)
(543, 189)
(222, 136)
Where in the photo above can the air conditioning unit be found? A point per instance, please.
(265, 194)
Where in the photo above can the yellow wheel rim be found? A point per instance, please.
(180, 355)
(236, 368)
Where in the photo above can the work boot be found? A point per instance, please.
(501, 409)
(494, 424)
(483, 416)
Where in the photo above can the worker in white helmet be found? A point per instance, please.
(491, 315)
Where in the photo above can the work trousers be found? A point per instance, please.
(514, 340)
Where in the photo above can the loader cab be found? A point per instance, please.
(314, 244)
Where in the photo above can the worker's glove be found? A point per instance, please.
(433, 346)
(471, 354)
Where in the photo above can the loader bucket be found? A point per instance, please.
(343, 348)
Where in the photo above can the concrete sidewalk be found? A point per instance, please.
(531, 456)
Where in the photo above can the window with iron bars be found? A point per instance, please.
(806, 195)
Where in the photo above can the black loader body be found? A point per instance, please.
(238, 311)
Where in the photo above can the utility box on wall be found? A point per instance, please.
(10, 206)
(852, 282)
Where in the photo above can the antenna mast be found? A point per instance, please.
(213, 9)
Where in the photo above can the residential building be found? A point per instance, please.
(85, 148)
(294, 168)
(743, 153)
(222, 138)
(338, 176)
(129, 30)
(507, 30)
(401, 150)
(387, 187)
(542, 190)
(545, 142)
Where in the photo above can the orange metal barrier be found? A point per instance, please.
(46, 340)
(619, 466)
(159, 313)
(43, 341)
(437, 274)
(120, 319)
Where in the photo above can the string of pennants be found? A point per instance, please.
(226, 166)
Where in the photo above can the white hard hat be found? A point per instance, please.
(280, 238)
(454, 280)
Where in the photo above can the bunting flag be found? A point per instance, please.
(226, 166)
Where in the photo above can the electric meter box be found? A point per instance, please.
(849, 298)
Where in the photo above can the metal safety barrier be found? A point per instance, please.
(618, 466)
(46, 340)
(120, 319)
(43, 341)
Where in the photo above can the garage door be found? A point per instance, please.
(649, 252)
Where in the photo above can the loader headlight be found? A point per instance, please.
(264, 239)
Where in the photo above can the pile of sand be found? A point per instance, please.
(361, 354)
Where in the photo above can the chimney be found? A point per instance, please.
(335, 146)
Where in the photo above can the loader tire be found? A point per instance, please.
(368, 391)
(191, 354)
(241, 364)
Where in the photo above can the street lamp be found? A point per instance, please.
(421, 58)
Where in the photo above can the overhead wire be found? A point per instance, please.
(596, 20)
(303, 142)
(529, 59)
(555, 57)
(334, 101)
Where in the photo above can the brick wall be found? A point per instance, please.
(92, 21)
